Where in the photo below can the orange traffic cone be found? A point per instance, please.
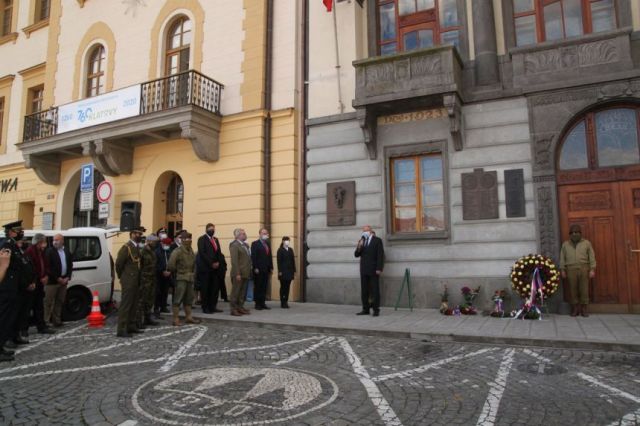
(95, 318)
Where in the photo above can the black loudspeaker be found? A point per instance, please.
(130, 215)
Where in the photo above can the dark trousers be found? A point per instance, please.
(370, 291)
(128, 306)
(284, 290)
(209, 289)
(223, 291)
(8, 312)
(162, 292)
(23, 308)
(38, 307)
(260, 283)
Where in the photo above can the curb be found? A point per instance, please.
(434, 337)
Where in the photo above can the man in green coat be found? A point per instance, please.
(128, 266)
(147, 282)
(577, 266)
(182, 264)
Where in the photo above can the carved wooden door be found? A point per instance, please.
(597, 209)
(630, 195)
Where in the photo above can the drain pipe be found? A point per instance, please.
(266, 123)
(303, 103)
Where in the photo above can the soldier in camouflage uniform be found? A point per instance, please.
(182, 264)
(147, 282)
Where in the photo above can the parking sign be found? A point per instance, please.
(86, 178)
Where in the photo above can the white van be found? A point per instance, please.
(92, 267)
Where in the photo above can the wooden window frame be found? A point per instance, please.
(593, 172)
(7, 10)
(42, 10)
(416, 151)
(538, 13)
(424, 19)
(97, 50)
(178, 51)
(36, 97)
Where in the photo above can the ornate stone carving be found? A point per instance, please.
(47, 168)
(598, 52)
(546, 222)
(110, 158)
(422, 66)
(539, 62)
(402, 69)
(543, 152)
(368, 124)
(452, 103)
(380, 73)
(615, 90)
(561, 97)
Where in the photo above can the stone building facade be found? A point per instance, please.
(475, 132)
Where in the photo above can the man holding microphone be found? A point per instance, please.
(371, 253)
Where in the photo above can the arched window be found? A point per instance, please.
(177, 46)
(84, 218)
(95, 71)
(602, 139)
(174, 204)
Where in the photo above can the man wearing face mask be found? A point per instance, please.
(128, 267)
(262, 261)
(371, 253)
(147, 282)
(164, 279)
(577, 266)
(60, 269)
(211, 267)
(182, 264)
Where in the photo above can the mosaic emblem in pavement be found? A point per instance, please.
(221, 396)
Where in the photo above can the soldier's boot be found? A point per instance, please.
(188, 318)
(574, 310)
(176, 316)
(6, 357)
(149, 321)
(583, 311)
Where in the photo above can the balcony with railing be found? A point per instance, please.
(109, 126)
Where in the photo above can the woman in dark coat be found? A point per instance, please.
(286, 270)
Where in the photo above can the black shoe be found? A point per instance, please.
(6, 352)
(46, 330)
(363, 313)
(258, 308)
(376, 313)
(149, 321)
(135, 331)
(4, 357)
(266, 307)
(217, 311)
(157, 315)
(123, 334)
(20, 341)
(165, 311)
(10, 345)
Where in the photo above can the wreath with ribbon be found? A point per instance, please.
(535, 278)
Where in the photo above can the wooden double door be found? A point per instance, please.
(609, 214)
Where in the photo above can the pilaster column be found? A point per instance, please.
(484, 41)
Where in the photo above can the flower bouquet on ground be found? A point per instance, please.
(498, 303)
(535, 278)
(469, 296)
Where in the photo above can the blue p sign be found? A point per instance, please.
(86, 177)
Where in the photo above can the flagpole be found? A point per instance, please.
(335, 34)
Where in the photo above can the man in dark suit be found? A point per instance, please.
(371, 254)
(60, 270)
(211, 267)
(262, 262)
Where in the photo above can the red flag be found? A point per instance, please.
(328, 4)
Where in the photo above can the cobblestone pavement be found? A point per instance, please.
(217, 374)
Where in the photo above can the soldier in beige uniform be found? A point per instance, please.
(182, 263)
(577, 266)
(240, 272)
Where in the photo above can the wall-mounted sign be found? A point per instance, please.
(104, 191)
(111, 106)
(480, 195)
(86, 201)
(86, 178)
(341, 203)
(47, 221)
(8, 185)
(103, 211)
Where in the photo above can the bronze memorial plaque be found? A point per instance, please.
(480, 195)
(514, 193)
(341, 203)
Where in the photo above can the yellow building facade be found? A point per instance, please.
(215, 91)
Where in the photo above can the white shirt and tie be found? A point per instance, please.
(63, 261)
